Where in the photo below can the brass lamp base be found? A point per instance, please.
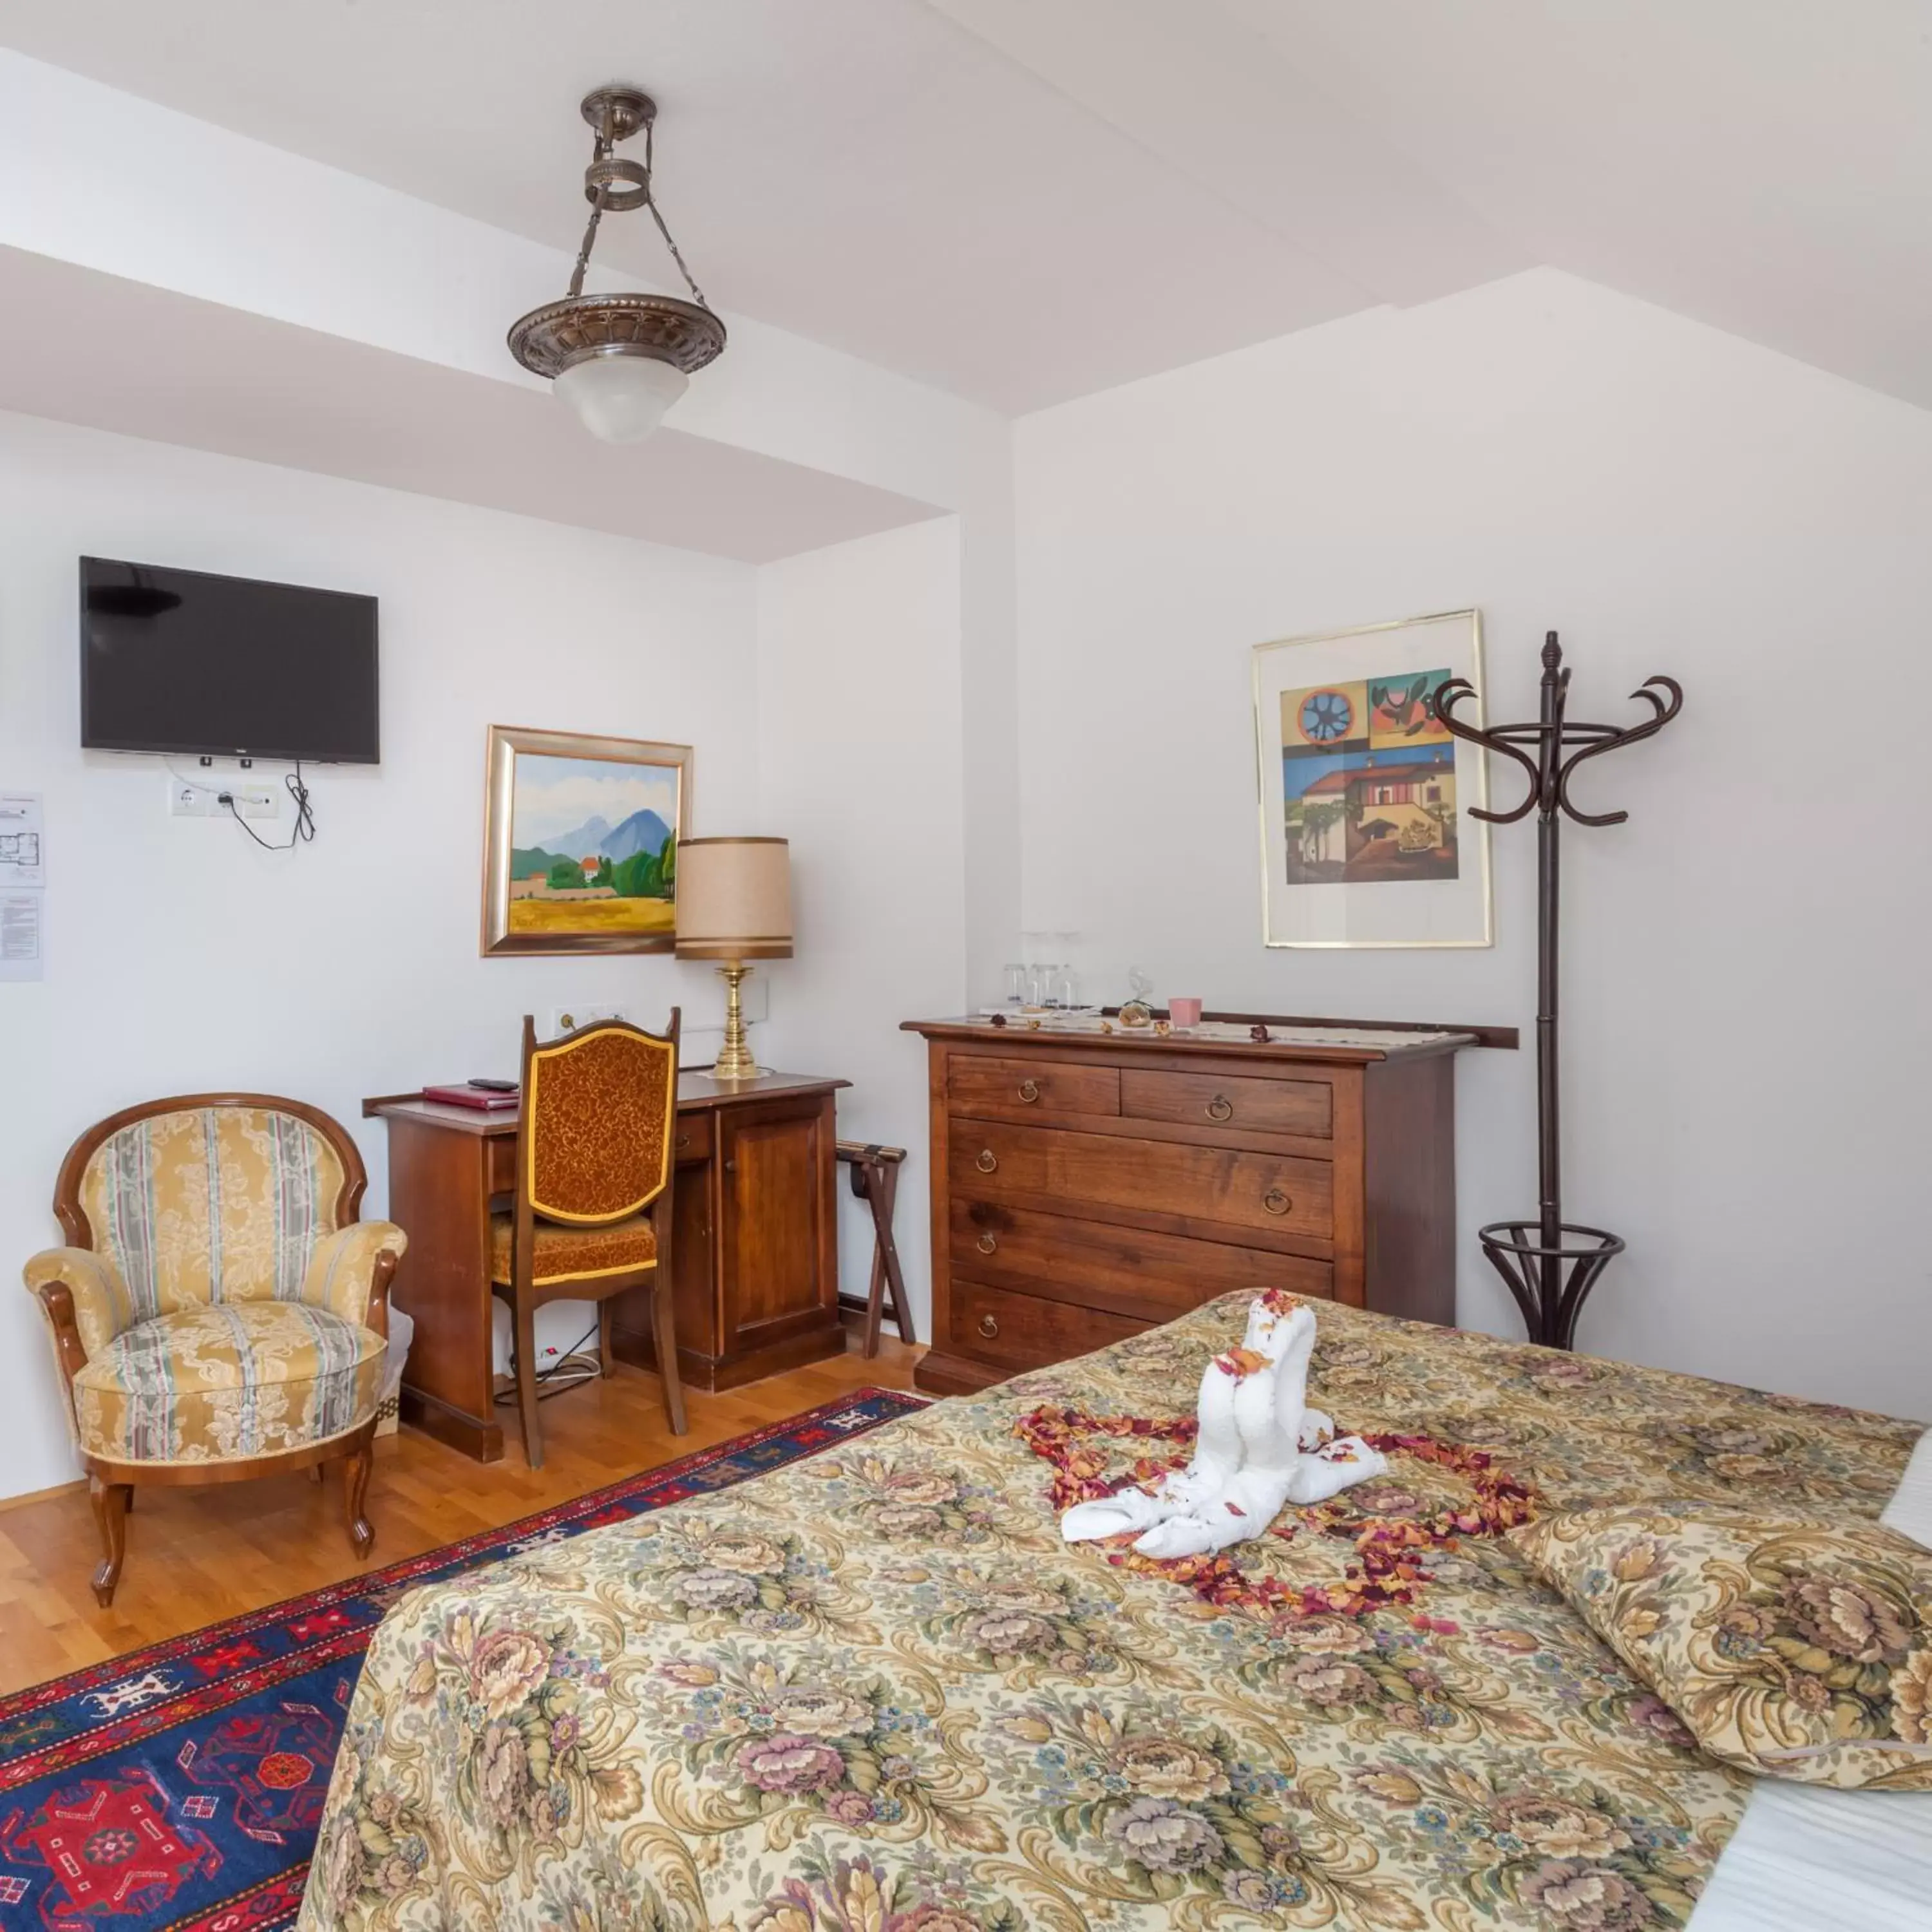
(734, 1060)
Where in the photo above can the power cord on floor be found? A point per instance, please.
(571, 1354)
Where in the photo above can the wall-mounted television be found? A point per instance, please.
(181, 662)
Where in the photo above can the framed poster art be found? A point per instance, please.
(1367, 838)
(580, 842)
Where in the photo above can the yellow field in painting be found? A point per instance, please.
(592, 915)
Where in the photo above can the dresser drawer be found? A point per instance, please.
(1043, 1086)
(1022, 1332)
(1218, 1100)
(1130, 1270)
(1275, 1192)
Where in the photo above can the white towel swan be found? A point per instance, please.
(1259, 1447)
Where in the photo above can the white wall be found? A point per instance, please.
(1748, 1047)
(860, 763)
(179, 957)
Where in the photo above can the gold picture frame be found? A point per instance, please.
(607, 883)
(1367, 838)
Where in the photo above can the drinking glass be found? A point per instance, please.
(1015, 985)
(1045, 979)
(1066, 987)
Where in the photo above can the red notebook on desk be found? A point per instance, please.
(464, 1095)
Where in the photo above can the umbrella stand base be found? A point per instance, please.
(1549, 1281)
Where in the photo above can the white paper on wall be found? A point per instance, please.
(20, 936)
(23, 840)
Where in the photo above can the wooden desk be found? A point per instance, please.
(754, 1265)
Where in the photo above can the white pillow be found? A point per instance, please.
(1909, 1511)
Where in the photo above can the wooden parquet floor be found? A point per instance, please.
(197, 1556)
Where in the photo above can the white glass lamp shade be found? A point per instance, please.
(621, 398)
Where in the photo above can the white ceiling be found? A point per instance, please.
(1025, 200)
(213, 377)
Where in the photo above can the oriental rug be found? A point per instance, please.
(178, 1789)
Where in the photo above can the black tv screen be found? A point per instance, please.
(178, 661)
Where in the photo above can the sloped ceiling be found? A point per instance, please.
(1022, 201)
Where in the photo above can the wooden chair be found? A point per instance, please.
(595, 1178)
(875, 1180)
(219, 1312)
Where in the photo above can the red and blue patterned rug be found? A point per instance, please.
(178, 1788)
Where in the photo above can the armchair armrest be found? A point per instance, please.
(82, 1298)
(349, 1272)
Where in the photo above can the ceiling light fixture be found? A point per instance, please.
(620, 362)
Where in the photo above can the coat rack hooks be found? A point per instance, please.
(1549, 1265)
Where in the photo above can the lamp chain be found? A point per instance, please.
(603, 150)
(651, 202)
(601, 153)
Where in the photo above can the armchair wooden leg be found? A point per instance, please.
(663, 1335)
(607, 1320)
(355, 1468)
(315, 1472)
(110, 1501)
(524, 1321)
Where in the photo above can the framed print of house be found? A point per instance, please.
(580, 839)
(1367, 838)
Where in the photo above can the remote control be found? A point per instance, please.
(496, 1086)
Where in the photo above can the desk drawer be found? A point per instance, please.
(977, 1085)
(1020, 1331)
(1130, 1270)
(693, 1142)
(1221, 1100)
(1276, 1191)
(502, 1159)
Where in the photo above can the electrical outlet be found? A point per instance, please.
(188, 801)
(253, 801)
(568, 1019)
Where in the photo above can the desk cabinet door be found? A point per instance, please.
(692, 1292)
(779, 1261)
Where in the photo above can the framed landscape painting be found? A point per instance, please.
(1367, 838)
(580, 839)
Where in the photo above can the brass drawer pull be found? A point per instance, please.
(988, 1160)
(1220, 1108)
(684, 1140)
(1029, 1091)
(988, 1242)
(989, 1326)
(1277, 1202)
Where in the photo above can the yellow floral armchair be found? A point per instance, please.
(219, 1312)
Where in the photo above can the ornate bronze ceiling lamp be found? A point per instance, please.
(621, 361)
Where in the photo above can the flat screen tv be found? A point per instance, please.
(178, 661)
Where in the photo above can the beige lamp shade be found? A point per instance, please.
(734, 898)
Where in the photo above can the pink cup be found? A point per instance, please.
(1183, 1013)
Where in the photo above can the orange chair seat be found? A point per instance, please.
(565, 1253)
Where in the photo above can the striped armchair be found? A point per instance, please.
(219, 1312)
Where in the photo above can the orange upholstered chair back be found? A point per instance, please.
(600, 1111)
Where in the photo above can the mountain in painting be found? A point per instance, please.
(643, 832)
(587, 838)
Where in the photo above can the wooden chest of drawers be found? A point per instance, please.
(1086, 1187)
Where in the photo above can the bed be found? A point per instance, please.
(877, 1691)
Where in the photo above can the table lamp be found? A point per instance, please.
(734, 904)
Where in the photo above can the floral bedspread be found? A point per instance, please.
(875, 1693)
